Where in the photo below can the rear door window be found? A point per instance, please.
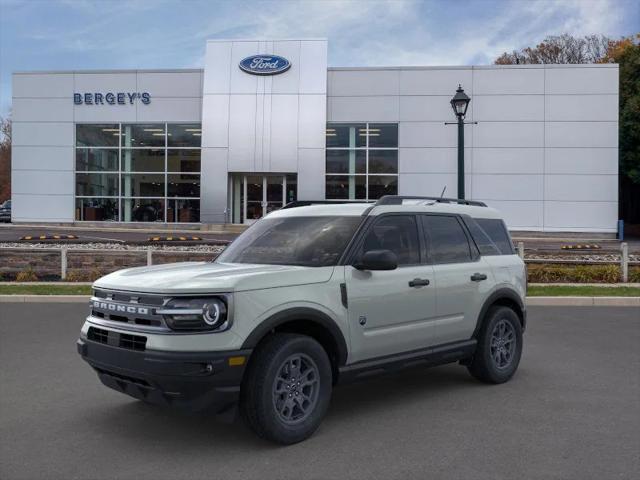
(446, 239)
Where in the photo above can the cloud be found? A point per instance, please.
(85, 34)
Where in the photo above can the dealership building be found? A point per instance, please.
(268, 122)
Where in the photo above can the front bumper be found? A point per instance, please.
(192, 381)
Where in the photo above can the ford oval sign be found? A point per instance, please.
(265, 64)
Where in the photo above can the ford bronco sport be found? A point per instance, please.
(310, 296)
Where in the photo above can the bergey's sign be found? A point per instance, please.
(110, 98)
(265, 64)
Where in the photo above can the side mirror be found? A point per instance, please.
(377, 260)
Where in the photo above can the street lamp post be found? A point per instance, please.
(460, 103)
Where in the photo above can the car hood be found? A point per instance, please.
(208, 277)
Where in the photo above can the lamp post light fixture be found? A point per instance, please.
(459, 104)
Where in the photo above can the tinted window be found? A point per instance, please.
(497, 232)
(304, 241)
(397, 233)
(446, 239)
(485, 244)
(104, 135)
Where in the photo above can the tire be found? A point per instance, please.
(277, 408)
(499, 346)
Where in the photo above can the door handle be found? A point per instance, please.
(478, 277)
(418, 282)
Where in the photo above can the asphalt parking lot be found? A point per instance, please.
(572, 411)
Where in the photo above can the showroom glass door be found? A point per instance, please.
(254, 196)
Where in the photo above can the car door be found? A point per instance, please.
(462, 278)
(390, 311)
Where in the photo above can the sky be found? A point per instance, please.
(108, 34)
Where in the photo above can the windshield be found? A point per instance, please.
(303, 241)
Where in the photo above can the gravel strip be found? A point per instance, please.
(115, 246)
(609, 257)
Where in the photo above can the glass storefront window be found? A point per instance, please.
(142, 209)
(96, 209)
(346, 187)
(187, 161)
(380, 185)
(133, 172)
(143, 160)
(362, 152)
(184, 135)
(292, 188)
(346, 136)
(97, 135)
(143, 185)
(383, 135)
(183, 211)
(346, 161)
(383, 161)
(183, 185)
(96, 160)
(96, 184)
(143, 135)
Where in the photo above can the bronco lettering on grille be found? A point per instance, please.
(115, 307)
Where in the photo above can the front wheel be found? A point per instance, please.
(287, 388)
(499, 346)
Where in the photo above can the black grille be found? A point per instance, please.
(122, 340)
(98, 335)
(130, 297)
(128, 308)
(133, 342)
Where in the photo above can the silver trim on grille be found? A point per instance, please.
(146, 307)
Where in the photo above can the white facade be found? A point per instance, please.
(544, 150)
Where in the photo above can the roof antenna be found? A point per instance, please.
(442, 194)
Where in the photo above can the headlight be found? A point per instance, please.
(197, 314)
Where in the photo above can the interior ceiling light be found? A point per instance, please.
(110, 129)
(192, 129)
(153, 129)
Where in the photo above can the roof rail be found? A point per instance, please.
(306, 203)
(397, 200)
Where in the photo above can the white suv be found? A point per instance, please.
(310, 296)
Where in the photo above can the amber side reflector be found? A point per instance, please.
(236, 361)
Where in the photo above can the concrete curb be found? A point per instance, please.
(531, 301)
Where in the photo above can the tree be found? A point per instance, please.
(626, 53)
(560, 49)
(5, 159)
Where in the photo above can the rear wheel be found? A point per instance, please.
(499, 346)
(287, 388)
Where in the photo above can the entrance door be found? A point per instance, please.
(254, 198)
(255, 195)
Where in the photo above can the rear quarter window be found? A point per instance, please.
(491, 236)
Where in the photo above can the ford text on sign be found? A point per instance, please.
(265, 64)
